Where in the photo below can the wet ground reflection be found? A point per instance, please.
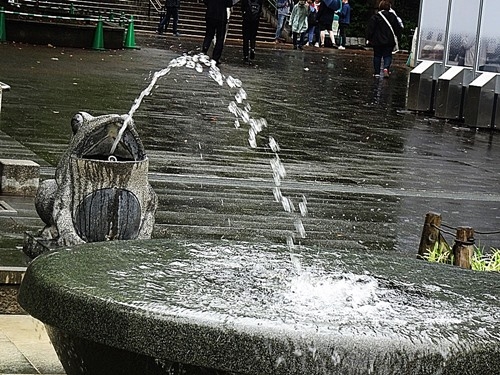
(370, 170)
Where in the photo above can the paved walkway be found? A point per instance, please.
(370, 170)
(25, 347)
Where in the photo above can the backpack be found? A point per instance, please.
(254, 7)
(311, 18)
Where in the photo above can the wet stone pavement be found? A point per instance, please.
(368, 169)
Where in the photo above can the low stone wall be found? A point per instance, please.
(19, 177)
(62, 33)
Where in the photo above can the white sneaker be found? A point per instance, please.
(316, 45)
(341, 47)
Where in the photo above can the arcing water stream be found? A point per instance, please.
(241, 109)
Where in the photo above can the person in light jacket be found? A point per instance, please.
(298, 23)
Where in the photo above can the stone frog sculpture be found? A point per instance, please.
(99, 195)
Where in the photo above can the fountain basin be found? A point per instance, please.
(157, 306)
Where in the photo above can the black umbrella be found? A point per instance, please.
(333, 4)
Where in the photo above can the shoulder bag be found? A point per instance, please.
(396, 47)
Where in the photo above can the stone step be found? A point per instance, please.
(11, 275)
(146, 18)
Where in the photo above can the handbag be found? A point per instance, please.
(335, 25)
(396, 46)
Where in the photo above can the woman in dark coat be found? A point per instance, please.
(325, 20)
(380, 36)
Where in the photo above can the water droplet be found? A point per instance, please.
(303, 206)
(233, 108)
(277, 194)
(287, 204)
(273, 144)
(299, 227)
(251, 138)
(231, 82)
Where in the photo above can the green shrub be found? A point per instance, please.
(481, 261)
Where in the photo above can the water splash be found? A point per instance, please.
(241, 109)
(303, 292)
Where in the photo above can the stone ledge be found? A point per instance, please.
(11, 275)
(19, 177)
(6, 209)
(4, 86)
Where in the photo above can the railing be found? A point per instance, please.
(157, 5)
(271, 5)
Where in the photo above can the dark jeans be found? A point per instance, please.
(215, 28)
(170, 12)
(249, 29)
(343, 33)
(379, 53)
(301, 36)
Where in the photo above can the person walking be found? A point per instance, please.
(216, 22)
(283, 9)
(171, 11)
(381, 31)
(298, 23)
(344, 21)
(251, 11)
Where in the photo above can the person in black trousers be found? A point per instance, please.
(251, 11)
(216, 22)
(172, 11)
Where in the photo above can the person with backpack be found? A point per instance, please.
(251, 11)
(216, 22)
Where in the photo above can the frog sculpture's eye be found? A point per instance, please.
(76, 122)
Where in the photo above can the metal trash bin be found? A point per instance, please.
(480, 104)
(422, 85)
(450, 92)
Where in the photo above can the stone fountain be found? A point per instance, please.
(168, 307)
(159, 306)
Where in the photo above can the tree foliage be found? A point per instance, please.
(362, 10)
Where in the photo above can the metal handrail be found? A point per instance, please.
(157, 5)
(271, 5)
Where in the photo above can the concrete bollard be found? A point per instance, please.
(3, 87)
